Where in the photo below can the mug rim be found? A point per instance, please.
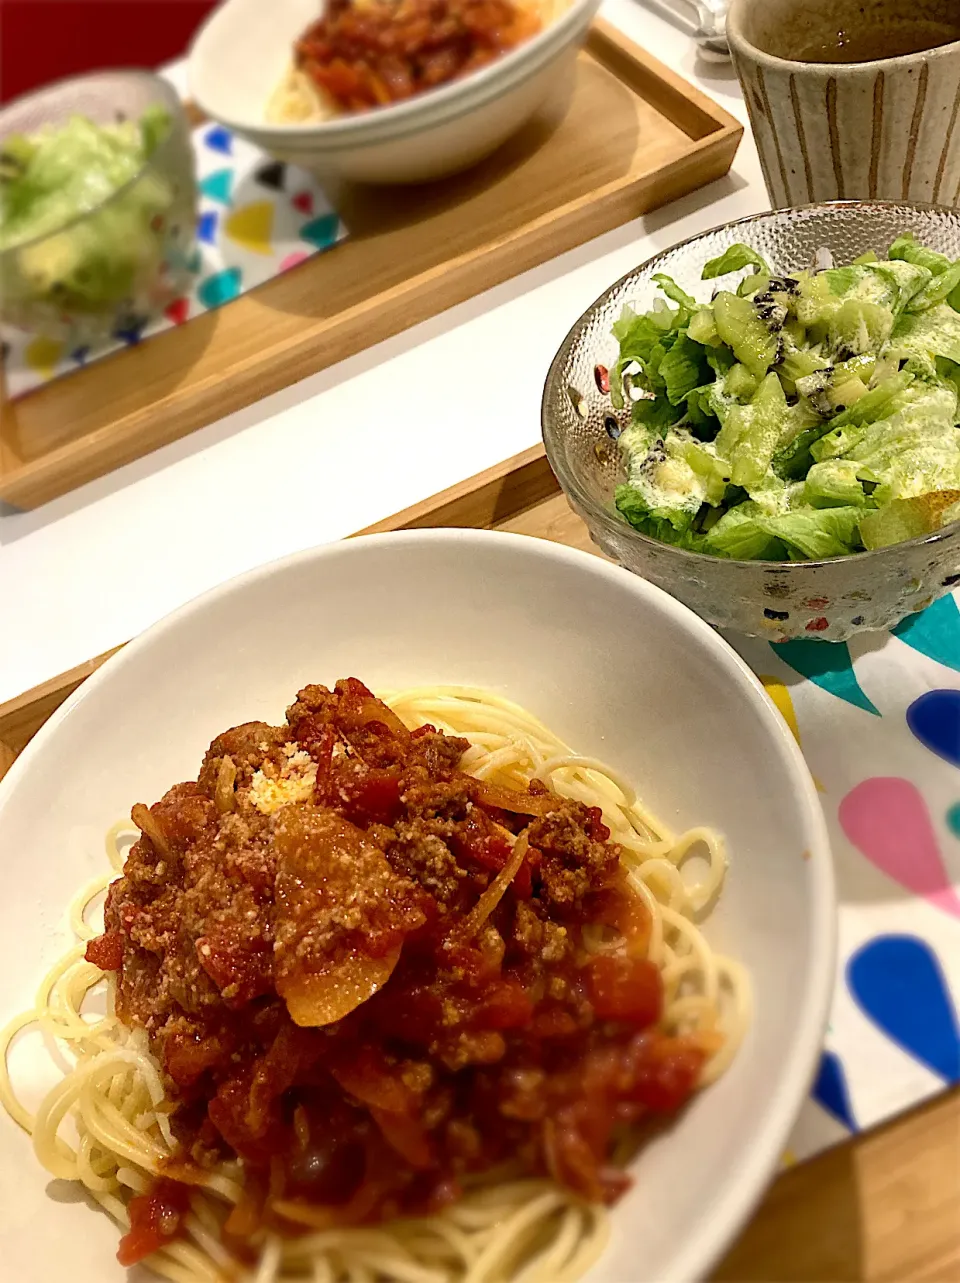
(739, 41)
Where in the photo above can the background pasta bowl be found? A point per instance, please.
(243, 51)
(613, 665)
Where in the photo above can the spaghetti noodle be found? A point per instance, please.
(107, 1126)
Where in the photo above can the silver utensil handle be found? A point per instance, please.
(710, 17)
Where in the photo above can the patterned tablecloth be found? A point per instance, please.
(878, 720)
(257, 218)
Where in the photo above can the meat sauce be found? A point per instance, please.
(363, 973)
(370, 54)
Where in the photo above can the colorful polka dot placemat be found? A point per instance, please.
(878, 720)
(256, 218)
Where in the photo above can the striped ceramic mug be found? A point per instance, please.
(831, 128)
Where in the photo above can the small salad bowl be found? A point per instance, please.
(829, 600)
(107, 164)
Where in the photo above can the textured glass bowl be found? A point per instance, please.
(41, 280)
(830, 600)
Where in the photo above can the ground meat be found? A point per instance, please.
(248, 747)
(575, 862)
(419, 851)
(441, 754)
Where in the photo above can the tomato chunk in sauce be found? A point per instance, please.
(155, 1220)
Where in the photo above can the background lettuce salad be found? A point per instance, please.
(799, 417)
(49, 178)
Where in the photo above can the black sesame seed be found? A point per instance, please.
(612, 426)
(951, 580)
(857, 620)
(776, 614)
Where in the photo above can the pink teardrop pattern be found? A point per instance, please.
(887, 820)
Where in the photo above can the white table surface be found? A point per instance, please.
(340, 449)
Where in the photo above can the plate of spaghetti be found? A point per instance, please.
(402, 914)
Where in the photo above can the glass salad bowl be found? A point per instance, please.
(831, 599)
(98, 204)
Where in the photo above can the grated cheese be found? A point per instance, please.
(298, 776)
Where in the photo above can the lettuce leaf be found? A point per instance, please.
(734, 259)
(667, 525)
(682, 369)
(751, 433)
(741, 535)
(675, 293)
(835, 484)
(907, 249)
(938, 291)
(816, 534)
(844, 431)
(933, 333)
(915, 451)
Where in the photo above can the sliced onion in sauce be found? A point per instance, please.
(468, 927)
(224, 796)
(487, 794)
(319, 998)
(149, 826)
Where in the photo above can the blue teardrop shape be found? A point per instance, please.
(830, 1090)
(207, 227)
(934, 719)
(898, 984)
(219, 139)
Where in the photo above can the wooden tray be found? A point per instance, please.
(883, 1208)
(634, 137)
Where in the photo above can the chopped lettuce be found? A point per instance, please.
(799, 418)
(847, 428)
(817, 534)
(935, 332)
(675, 293)
(909, 250)
(741, 536)
(735, 259)
(835, 484)
(682, 368)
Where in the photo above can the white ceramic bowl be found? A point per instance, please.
(613, 664)
(243, 49)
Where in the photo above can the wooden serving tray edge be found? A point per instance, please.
(882, 1208)
(714, 137)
